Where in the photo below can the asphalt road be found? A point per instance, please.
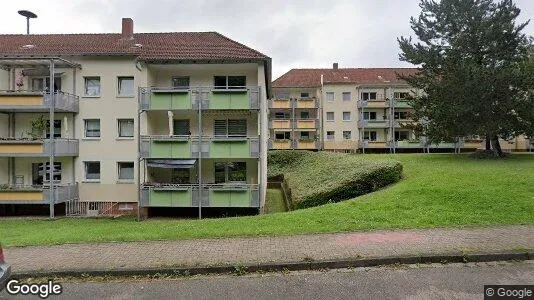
(452, 281)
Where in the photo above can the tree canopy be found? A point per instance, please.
(475, 71)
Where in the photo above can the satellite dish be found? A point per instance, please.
(29, 15)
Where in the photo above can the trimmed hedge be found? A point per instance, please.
(317, 178)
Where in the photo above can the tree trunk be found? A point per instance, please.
(488, 143)
(497, 151)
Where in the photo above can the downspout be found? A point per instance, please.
(52, 92)
(321, 105)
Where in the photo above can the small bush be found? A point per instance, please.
(317, 178)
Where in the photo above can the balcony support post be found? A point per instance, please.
(200, 157)
(52, 91)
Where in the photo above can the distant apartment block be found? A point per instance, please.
(354, 110)
(140, 121)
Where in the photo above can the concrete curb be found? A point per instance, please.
(289, 266)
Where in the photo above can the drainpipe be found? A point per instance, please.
(51, 90)
(321, 105)
(199, 103)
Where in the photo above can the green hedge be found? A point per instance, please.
(317, 178)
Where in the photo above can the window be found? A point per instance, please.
(125, 206)
(369, 115)
(180, 82)
(282, 95)
(92, 87)
(330, 135)
(181, 176)
(126, 127)
(304, 115)
(92, 170)
(347, 135)
(126, 86)
(230, 82)
(304, 95)
(369, 135)
(57, 129)
(281, 115)
(92, 128)
(369, 96)
(230, 127)
(346, 96)
(330, 116)
(305, 135)
(401, 95)
(401, 135)
(43, 83)
(41, 172)
(226, 172)
(346, 116)
(330, 96)
(181, 127)
(126, 170)
(282, 136)
(400, 115)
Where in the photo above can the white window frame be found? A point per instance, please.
(333, 96)
(333, 116)
(345, 137)
(119, 85)
(119, 129)
(350, 116)
(368, 133)
(119, 163)
(85, 80)
(85, 121)
(85, 166)
(346, 93)
(330, 137)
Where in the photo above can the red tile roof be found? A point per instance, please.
(312, 77)
(146, 46)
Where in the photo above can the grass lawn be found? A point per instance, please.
(274, 201)
(438, 190)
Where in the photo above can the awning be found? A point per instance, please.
(171, 163)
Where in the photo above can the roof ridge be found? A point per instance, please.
(231, 40)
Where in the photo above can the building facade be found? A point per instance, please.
(141, 120)
(356, 110)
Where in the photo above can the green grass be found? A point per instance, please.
(274, 201)
(438, 190)
(317, 178)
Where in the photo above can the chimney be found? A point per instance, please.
(335, 67)
(127, 28)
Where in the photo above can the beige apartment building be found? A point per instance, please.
(353, 110)
(141, 121)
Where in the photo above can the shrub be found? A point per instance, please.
(317, 178)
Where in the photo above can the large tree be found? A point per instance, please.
(475, 73)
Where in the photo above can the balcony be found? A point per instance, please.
(230, 147)
(306, 144)
(280, 124)
(306, 124)
(38, 148)
(213, 195)
(401, 103)
(159, 98)
(306, 103)
(373, 104)
(409, 144)
(35, 101)
(37, 194)
(231, 195)
(280, 144)
(374, 123)
(443, 145)
(161, 146)
(472, 144)
(168, 195)
(374, 144)
(280, 103)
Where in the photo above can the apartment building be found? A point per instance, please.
(141, 121)
(356, 110)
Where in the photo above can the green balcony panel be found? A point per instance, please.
(231, 198)
(170, 198)
(230, 149)
(171, 149)
(229, 100)
(170, 100)
(402, 104)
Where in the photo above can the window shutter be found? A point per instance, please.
(220, 127)
(237, 127)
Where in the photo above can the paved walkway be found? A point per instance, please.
(235, 251)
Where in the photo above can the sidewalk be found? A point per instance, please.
(273, 250)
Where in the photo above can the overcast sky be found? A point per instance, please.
(294, 33)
